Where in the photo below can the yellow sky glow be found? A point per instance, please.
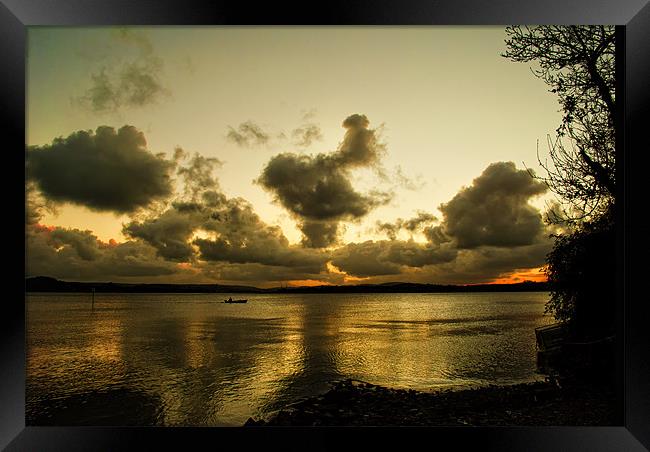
(448, 104)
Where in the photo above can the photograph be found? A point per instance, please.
(327, 226)
(261, 226)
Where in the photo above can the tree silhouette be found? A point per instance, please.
(581, 270)
(578, 64)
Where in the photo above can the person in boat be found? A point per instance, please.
(229, 298)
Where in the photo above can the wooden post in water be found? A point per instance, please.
(93, 305)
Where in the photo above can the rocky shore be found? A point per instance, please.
(551, 403)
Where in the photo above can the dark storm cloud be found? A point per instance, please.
(132, 83)
(75, 254)
(104, 171)
(318, 190)
(494, 210)
(248, 134)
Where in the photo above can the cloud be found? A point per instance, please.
(488, 229)
(105, 171)
(135, 82)
(205, 225)
(411, 225)
(139, 84)
(242, 237)
(248, 134)
(306, 134)
(198, 175)
(487, 263)
(36, 204)
(263, 275)
(494, 210)
(102, 94)
(401, 180)
(389, 257)
(79, 255)
(309, 114)
(319, 234)
(233, 232)
(135, 38)
(317, 189)
(113, 171)
(364, 259)
(427, 263)
(169, 234)
(360, 145)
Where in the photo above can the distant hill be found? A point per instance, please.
(46, 284)
(403, 287)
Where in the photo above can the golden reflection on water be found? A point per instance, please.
(197, 353)
(252, 374)
(105, 339)
(394, 353)
(214, 364)
(277, 363)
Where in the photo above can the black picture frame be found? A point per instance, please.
(633, 19)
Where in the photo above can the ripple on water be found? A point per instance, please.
(187, 361)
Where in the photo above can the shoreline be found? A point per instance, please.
(548, 403)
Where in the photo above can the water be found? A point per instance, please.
(186, 359)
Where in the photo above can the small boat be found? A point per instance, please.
(551, 341)
(230, 300)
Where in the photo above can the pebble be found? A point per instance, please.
(358, 403)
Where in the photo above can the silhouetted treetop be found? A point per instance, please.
(578, 64)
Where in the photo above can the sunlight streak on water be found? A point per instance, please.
(185, 359)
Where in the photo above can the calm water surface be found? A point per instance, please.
(187, 359)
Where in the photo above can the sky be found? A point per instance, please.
(284, 155)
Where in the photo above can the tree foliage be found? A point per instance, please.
(578, 64)
(581, 270)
